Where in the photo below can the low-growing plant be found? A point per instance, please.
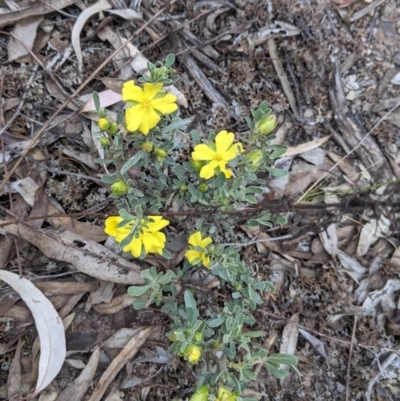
(160, 175)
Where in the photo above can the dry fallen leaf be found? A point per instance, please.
(290, 335)
(48, 324)
(101, 5)
(24, 30)
(305, 147)
(77, 389)
(85, 255)
(118, 363)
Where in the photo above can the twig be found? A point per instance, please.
(251, 242)
(58, 10)
(282, 75)
(77, 91)
(353, 336)
(366, 10)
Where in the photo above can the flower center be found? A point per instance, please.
(146, 104)
(218, 157)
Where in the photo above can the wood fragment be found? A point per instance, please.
(282, 75)
(198, 75)
(356, 136)
(118, 363)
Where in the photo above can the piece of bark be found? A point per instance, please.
(199, 77)
(364, 145)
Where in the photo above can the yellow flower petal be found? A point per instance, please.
(206, 260)
(208, 170)
(151, 241)
(149, 119)
(122, 233)
(156, 223)
(111, 224)
(135, 247)
(131, 92)
(235, 150)
(133, 117)
(223, 141)
(195, 239)
(203, 152)
(165, 105)
(206, 241)
(151, 90)
(192, 255)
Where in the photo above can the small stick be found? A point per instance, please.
(282, 75)
(353, 335)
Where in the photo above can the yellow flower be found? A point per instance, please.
(143, 115)
(192, 254)
(149, 238)
(192, 353)
(225, 150)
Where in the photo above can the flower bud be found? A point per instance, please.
(266, 125)
(104, 124)
(160, 153)
(255, 157)
(192, 353)
(198, 337)
(197, 164)
(147, 146)
(201, 394)
(183, 187)
(225, 395)
(104, 141)
(113, 128)
(119, 188)
(203, 187)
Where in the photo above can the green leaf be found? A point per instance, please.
(282, 359)
(190, 302)
(277, 372)
(137, 291)
(280, 220)
(132, 161)
(177, 125)
(216, 322)
(254, 190)
(107, 179)
(219, 182)
(258, 333)
(96, 100)
(180, 172)
(278, 153)
(149, 275)
(237, 183)
(250, 199)
(126, 215)
(120, 117)
(169, 60)
(139, 304)
(277, 172)
(166, 278)
(191, 315)
(249, 374)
